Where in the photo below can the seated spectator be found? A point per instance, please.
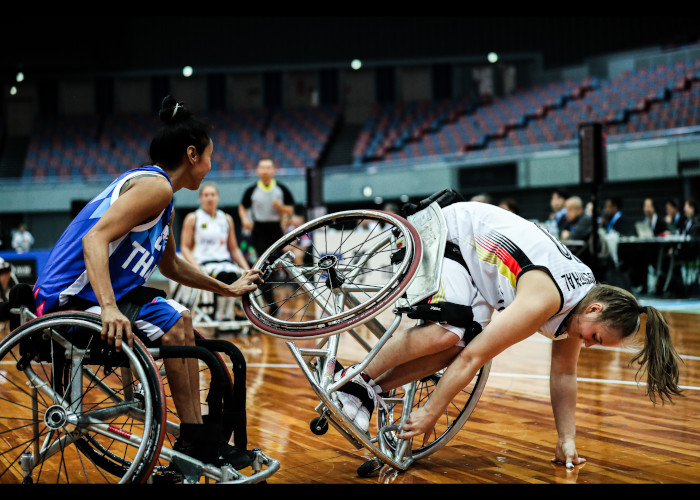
(675, 219)
(557, 203)
(652, 219)
(5, 279)
(509, 204)
(613, 220)
(22, 239)
(579, 225)
(647, 256)
(686, 255)
(691, 227)
(301, 248)
(482, 197)
(692, 220)
(579, 228)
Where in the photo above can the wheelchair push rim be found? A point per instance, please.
(451, 420)
(348, 274)
(69, 418)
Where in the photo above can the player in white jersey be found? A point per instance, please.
(498, 261)
(208, 240)
(107, 253)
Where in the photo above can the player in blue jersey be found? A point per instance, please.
(108, 252)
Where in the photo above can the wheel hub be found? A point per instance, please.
(56, 417)
(328, 262)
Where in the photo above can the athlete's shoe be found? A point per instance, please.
(358, 398)
(238, 458)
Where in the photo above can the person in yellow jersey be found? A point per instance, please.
(264, 209)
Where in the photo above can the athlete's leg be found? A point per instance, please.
(172, 324)
(417, 352)
(418, 367)
(430, 345)
(183, 373)
(406, 352)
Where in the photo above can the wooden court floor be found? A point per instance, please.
(510, 437)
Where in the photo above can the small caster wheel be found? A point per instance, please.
(370, 467)
(319, 426)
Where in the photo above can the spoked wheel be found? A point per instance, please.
(452, 420)
(333, 273)
(72, 411)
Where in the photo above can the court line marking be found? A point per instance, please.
(585, 379)
(491, 374)
(630, 350)
(512, 375)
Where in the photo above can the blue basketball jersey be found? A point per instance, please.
(132, 258)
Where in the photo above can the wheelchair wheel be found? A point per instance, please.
(334, 273)
(453, 419)
(74, 411)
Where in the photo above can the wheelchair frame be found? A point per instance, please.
(341, 312)
(192, 298)
(63, 359)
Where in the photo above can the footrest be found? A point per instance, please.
(338, 420)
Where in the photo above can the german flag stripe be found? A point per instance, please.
(494, 248)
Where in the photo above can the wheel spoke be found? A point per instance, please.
(343, 260)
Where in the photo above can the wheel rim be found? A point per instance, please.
(76, 442)
(452, 419)
(343, 278)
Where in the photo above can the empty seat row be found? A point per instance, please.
(79, 148)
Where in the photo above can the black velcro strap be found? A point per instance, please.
(398, 256)
(227, 277)
(443, 198)
(442, 312)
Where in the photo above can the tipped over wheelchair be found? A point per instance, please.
(75, 410)
(362, 263)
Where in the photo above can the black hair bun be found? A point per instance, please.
(173, 111)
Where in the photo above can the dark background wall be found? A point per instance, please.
(77, 43)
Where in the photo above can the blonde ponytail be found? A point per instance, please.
(658, 358)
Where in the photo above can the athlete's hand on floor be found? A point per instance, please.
(565, 454)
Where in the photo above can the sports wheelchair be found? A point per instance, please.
(74, 410)
(361, 263)
(202, 305)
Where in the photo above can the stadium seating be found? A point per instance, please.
(78, 149)
(636, 103)
(642, 102)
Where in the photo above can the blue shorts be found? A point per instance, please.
(154, 318)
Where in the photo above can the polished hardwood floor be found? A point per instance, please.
(510, 437)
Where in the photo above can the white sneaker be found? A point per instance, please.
(358, 398)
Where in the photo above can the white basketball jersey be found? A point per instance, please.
(499, 246)
(211, 237)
